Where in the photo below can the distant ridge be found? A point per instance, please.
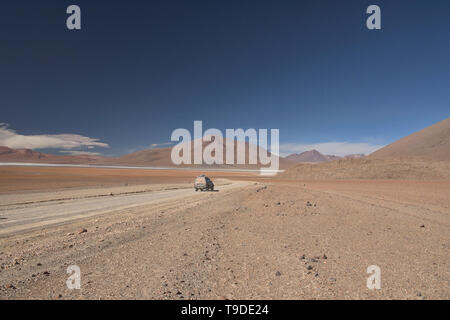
(424, 155)
(309, 156)
(28, 155)
(158, 157)
(314, 156)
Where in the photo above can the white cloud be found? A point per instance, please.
(156, 145)
(330, 148)
(80, 153)
(10, 138)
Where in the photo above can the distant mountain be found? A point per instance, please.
(162, 157)
(314, 156)
(28, 155)
(308, 156)
(424, 155)
(158, 157)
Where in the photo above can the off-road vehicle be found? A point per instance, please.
(203, 183)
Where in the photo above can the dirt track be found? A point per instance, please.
(53, 208)
(289, 240)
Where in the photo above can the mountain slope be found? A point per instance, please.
(424, 155)
(431, 143)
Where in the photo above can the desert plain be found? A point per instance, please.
(314, 231)
(146, 234)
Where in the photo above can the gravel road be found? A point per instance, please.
(28, 215)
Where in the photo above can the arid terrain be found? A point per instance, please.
(255, 239)
(308, 233)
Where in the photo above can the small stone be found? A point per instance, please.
(46, 273)
(278, 273)
(325, 256)
(422, 226)
(332, 279)
(309, 268)
(82, 230)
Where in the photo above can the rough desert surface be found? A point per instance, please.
(371, 169)
(260, 239)
(309, 233)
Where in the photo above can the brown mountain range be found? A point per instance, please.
(314, 156)
(424, 155)
(158, 157)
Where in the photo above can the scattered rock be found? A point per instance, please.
(261, 188)
(332, 279)
(46, 273)
(83, 230)
(278, 273)
(10, 286)
(324, 256)
(308, 204)
(422, 226)
(70, 234)
(278, 203)
(309, 268)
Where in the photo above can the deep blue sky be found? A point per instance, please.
(139, 69)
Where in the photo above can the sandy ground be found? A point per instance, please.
(21, 179)
(37, 210)
(258, 240)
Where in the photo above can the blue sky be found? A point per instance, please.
(137, 70)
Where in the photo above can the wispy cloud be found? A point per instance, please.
(10, 138)
(80, 153)
(330, 148)
(157, 145)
